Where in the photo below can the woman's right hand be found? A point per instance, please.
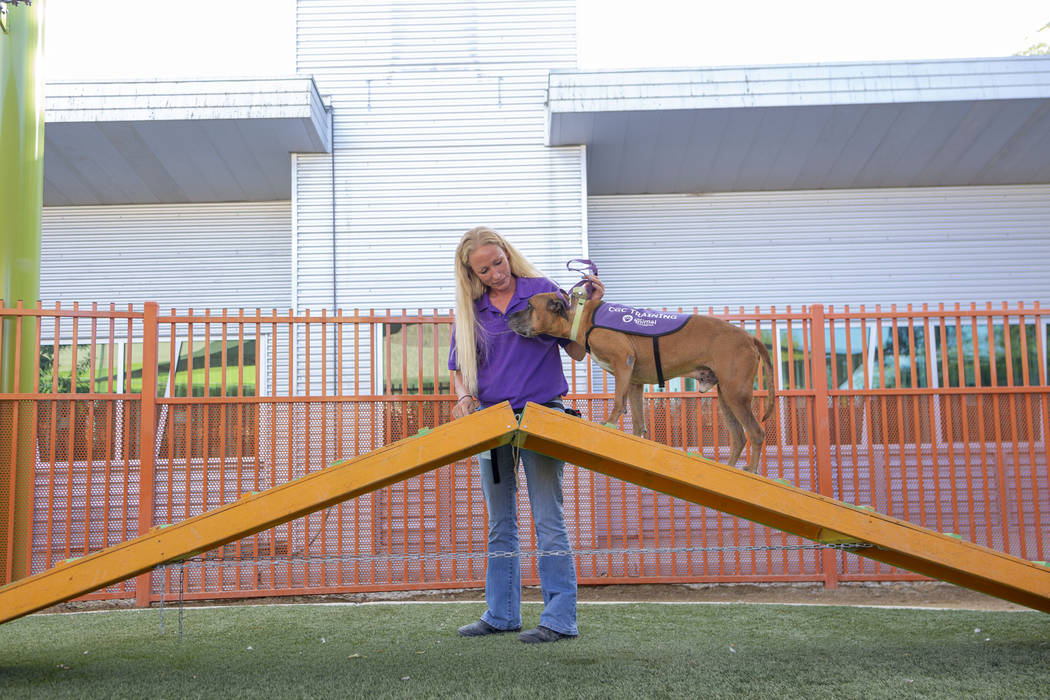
(465, 406)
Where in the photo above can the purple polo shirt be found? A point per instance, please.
(510, 367)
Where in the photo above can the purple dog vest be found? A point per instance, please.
(626, 319)
(647, 322)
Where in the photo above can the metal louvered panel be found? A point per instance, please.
(830, 246)
(360, 35)
(438, 118)
(179, 255)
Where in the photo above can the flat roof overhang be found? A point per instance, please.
(855, 125)
(173, 141)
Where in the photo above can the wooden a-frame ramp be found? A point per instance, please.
(576, 441)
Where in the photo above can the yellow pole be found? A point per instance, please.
(21, 200)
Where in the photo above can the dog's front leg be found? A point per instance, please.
(634, 396)
(622, 371)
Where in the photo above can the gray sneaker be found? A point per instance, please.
(481, 628)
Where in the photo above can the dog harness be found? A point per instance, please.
(645, 322)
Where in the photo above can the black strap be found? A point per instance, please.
(495, 450)
(587, 336)
(495, 464)
(656, 359)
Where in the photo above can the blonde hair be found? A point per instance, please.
(469, 288)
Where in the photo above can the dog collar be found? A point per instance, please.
(578, 299)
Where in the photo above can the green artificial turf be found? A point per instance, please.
(624, 651)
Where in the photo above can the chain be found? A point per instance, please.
(204, 562)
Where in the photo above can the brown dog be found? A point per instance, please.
(707, 349)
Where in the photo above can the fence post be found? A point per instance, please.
(22, 183)
(822, 428)
(147, 438)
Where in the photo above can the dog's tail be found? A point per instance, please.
(771, 380)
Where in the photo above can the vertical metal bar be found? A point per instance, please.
(38, 324)
(422, 478)
(147, 415)
(778, 377)
(273, 436)
(1000, 467)
(867, 406)
(129, 438)
(188, 433)
(110, 434)
(1029, 418)
(898, 399)
(290, 438)
(976, 350)
(883, 411)
(444, 475)
(12, 546)
(89, 435)
(821, 432)
(851, 407)
(72, 432)
(217, 409)
(307, 406)
(964, 421)
(914, 399)
(254, 411)
(931, 417)
(833, 402)
(206, 420)
(223, 405)
(238, 428)
(947, 419)
(172, 410)
(53, 456)
(1015, 450)
(1041, 363)
(340, 390)
(794, 419)
(357, 437)
(324, 437)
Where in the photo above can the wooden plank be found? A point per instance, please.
(783, 506)
(255, 512)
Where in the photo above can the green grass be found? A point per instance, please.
(624, 651)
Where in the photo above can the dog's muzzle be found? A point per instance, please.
(520, 323)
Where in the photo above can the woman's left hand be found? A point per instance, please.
(595, 288)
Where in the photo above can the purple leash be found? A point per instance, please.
(584, 267)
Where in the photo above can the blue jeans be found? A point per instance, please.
(543, 477)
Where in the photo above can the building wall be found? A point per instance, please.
(439, 126)
(233, 255)
(864, 246)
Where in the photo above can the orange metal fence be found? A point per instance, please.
(139, 418)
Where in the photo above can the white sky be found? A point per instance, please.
(226, 38)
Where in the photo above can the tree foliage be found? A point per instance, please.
(1041, 48)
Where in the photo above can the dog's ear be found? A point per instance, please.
(556, 307)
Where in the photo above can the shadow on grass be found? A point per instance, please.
(624, 651)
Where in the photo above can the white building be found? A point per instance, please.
(349, 184)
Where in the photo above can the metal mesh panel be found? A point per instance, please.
(936, 418)
(86, 481)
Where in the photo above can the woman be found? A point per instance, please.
(491, 364)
